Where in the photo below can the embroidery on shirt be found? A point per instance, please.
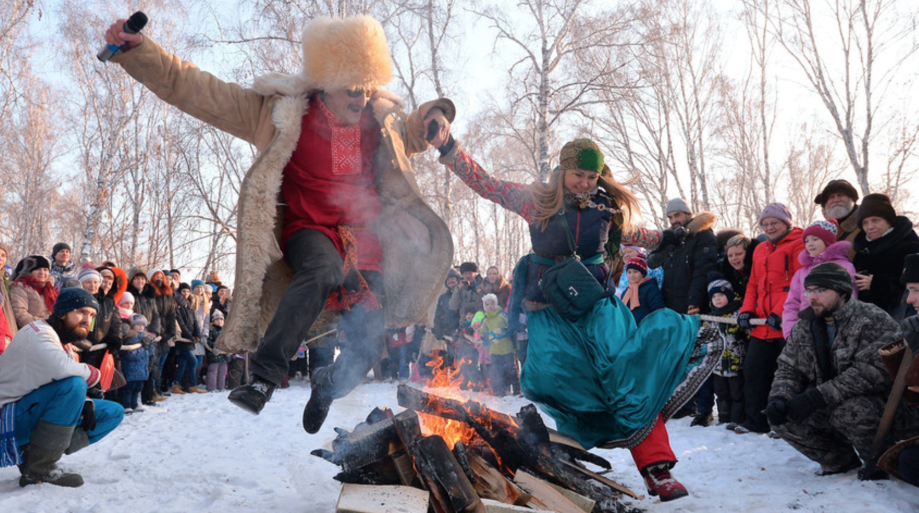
(346, 144)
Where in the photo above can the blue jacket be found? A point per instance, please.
(650, 298)
(135, 364)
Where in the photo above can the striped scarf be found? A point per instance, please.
(9, 450)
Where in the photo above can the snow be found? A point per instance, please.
(200, 453)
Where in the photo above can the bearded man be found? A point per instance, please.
(838, 201)
(831, 385)
(43, 393)
(355, 233)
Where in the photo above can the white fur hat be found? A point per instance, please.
(338, 53)
(492, 297)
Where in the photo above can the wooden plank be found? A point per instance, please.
(491, 483)
(585, 503)
(551, 498)
(492, 506)
(603, 479)
(355, 498)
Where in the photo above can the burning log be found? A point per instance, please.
(440, 472)
(490, 483)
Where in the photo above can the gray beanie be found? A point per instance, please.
(677, 205)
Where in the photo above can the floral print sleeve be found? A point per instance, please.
(510, 195)
(643, 238)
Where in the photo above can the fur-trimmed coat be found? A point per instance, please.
(686, 265)
(417, 247)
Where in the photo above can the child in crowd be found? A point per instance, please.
(126, 307)
(819, 246)
(217, 362)
(135, 357)
(728, 375)
(627, 253)
(493, 333)
(465, 354)
(642, 295)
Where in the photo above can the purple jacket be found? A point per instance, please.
(796, 300)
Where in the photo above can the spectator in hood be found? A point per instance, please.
(32, 293)
(61, 266)
(880, 249)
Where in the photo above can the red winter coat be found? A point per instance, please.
(774, 265)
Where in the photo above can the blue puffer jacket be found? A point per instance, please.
(135, 364)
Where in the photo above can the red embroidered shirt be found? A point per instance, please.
(331, 181)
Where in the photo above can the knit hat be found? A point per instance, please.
(717, 284)
(89, 274)
(582, 154)
(31, 263)
(184, 286)
(833, 187)
(876, 205)
(216, 314)
(910, 269)
(106, 271)
(637, 264)
(823, 230)
(466, 267)
(677, 205)
(213, 288)
(195, 283)
(73, 299)
(126, 297)
(491, 297)
(830, 275)
(138, 319)
(59, 247)
(778, 211)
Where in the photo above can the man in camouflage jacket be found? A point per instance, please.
(831, 385)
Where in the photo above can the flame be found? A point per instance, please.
(452, 431)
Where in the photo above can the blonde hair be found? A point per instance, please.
(549, 197)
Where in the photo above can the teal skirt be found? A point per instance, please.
(603, 379)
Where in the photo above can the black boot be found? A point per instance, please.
(48, 443)
(702, 420)
(253, 396)
(317, 409)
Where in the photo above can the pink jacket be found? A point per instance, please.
(797, 300)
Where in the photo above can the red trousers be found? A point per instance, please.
(655, 448)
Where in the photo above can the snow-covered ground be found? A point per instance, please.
(200, 453)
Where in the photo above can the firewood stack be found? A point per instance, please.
(507, 464)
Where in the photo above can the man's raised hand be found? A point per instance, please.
(115, 35)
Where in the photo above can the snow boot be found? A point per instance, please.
(317, 409)
(852, 464)
(49, 441)
(702, 420)
(79, 440)
(872, 473)
(177, 390)
(253, 396)
(660, 482)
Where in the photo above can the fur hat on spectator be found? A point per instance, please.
(137, 271)
(138, 319)
(639, 264)
(466, 267)
(910, 269)
(677, 205)
(31, 263)
(835, 186)
(824, 230)
(876, 205)
(490, 297)
(830, 275)
(778, 211)
(338, 53)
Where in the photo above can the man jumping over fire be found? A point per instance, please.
(332, 186)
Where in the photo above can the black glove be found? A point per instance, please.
(115, 345)
(804, 405)
(774, 322)
(743, 320)
(89, 415)
(668, 238)
(95, 392)
(777, 411)
(910, 324)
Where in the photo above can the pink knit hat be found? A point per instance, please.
(778, 211)
(823, 230)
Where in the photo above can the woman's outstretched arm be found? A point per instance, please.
(510, 195)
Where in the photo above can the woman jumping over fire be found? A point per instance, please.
(605, 381)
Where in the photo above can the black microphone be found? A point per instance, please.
(135, 24)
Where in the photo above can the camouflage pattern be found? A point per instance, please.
(855, 396)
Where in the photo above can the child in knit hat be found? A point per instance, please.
(135, 356)
(642, 295)
(217, 361)
(728, 374)
(493, 335)
(819, 246)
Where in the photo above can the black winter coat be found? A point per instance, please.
(446, 320)
(883, 258)
(166, 307)
(145, 304)
(738, 280)
(185, 314)
(686, 265)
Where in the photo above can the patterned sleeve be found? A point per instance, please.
(643, 238)
(510, 195)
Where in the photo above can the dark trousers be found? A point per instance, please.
(317, 270)
(759, 369)
(236, 373)
(127, 395)
(503, 374)
(729, 393)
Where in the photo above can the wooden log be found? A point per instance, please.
(438, 468)
(493, 506)
(546, 496)
(368, 443)
(603, 479)
(382, 499)
(490, 483)
(459, 452)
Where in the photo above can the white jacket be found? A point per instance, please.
(35, 357)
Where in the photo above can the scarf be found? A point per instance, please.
(630, 298)
(125, 313)
(44, 289)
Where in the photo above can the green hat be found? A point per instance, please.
(582, 154)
